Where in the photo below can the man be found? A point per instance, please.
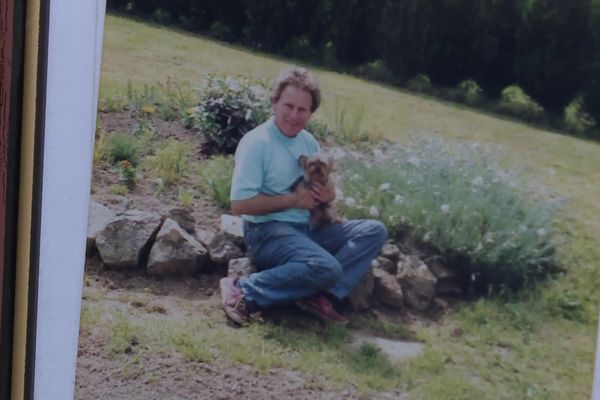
(296, 262)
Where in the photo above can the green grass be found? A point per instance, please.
(493, 355)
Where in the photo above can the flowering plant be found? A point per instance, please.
(456, 200)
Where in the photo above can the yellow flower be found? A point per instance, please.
(149, 109)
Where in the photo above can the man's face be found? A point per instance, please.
(292, 110)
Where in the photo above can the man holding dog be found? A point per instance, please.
(297, 263)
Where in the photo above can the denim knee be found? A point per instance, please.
(326, 270)
(376, 229)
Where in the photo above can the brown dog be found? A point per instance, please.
(317, 168)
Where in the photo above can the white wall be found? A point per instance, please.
(75, 45)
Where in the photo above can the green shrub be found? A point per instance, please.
(378, 71)
(121, 147)
(215, 179)
(456, 201)
(472, 92)
(575, 117)
(229, 108)
(515, 102)
(170, 161)
(419, 83)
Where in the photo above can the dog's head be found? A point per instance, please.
(317, 167)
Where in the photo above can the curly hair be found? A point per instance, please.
(300, 78)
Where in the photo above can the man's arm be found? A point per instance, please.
(264, 204)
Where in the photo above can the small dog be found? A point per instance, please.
(318, 168)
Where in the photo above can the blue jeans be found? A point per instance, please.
(295, 261)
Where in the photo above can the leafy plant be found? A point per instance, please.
(229, 108)
(185, 196)
(175, 99)
(137, 99)
(346, 123)
(169, 162)
(215, 179)
(455, 200)
(123, 147)
(127, 174)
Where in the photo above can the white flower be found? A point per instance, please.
(477, 181)
(350, 202)
(488, 237)
(374, 211)
(445, 208)
(398, 199)
(384, 187)
(355, 177)
(414, 160)
(427, 236)
(378, 154)
(541, 232)
(338, 193)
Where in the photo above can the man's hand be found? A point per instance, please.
(305, 199)
(323, 193)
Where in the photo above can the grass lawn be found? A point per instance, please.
(529, 348)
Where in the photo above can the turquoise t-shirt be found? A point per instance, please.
(266, 161)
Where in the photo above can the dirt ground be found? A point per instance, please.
(142, 375)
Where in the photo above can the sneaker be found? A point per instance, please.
(320, 306)
(233, 301)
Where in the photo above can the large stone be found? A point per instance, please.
(176, 252)
(386, 264)
(124, 242)
(98, 218)
(387, 289)
(418, 283)
(391, 252)
(221, 249)
(204, 236)
(239, 267)
(233, 228)
(448, 281)
(361, 298)
(183, 217)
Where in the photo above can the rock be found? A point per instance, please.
(361, 297)
(204, 236)
(387, 265)
(395, 350)
(240, 267)
(391, 251)
(448, 281)
(176, 252)
(387, 289)
(183, 217)
(418, 283)
(221, 249)
(233, 228)
(124, 242)
(99, 217)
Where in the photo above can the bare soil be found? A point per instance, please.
(142, 373)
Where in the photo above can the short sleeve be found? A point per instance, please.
(248, 170)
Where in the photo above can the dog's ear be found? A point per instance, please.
(328, 162)
(302, 161)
